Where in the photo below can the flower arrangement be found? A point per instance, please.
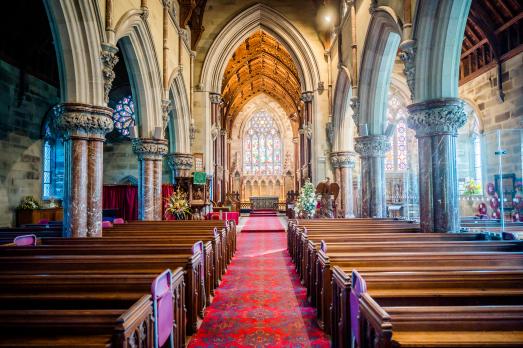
(29, 203)
(472, 188)
(177, 205)
(307, 201)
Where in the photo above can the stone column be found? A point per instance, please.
(150, 154)
(372, 150)
(180, 164)
(436, 123)
(84, 128)
(306, 134)
(343, 162)
(216, 99)
(337, 179)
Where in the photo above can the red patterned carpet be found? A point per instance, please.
(263, 224)
(260, 302)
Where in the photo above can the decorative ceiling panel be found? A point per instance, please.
(261, 64)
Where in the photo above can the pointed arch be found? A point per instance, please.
(342, 113)
(137, 46)
(78, 34)
(439, 27)
(254, 18)
(381, 46)
(180, 118)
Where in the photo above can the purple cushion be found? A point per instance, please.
(358, 287)
(164, 306)
(107, 224)
(25, 240)
(118, 221)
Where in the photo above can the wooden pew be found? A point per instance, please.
(410, 261)
(118, 264)
(438, 326)
(429, 286)
(404, 244)
(152, 246)
(87, 291)
(78, 327)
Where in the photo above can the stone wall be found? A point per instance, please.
(501, 120)
(24, 102)
(507, 116)
(120, 162)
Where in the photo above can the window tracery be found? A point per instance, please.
(262, 146)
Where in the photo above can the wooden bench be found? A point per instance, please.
(425, 287)
(439, 326)
(119, 264)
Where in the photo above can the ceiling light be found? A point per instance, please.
(328, 19)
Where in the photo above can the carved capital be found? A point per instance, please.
(330, 133)
(307, 97)
(145, 13)
(372, 145)
(223, 132)
(437, 116)
(215, 130)
(307, 130)
(181, 163)
(355, 106)
(109, 60)
(343, 159)
(82, 120)
(149, 149)
(166, 107)
(215, 98)
(407, 55)
(167, 3)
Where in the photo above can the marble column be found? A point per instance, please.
(215, 100)
(150, 154)
(180, 164)
(436, 123)
(372, 150)
(343, 162)
(84, 128)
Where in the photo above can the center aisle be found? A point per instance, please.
(260, 302)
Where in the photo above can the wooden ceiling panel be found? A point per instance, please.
(261, 64)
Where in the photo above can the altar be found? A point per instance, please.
(264, 203)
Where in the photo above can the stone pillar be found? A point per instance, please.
(372, 150)
(150, 154)
(84, 128)
(306, 135)
(216, 99)
(436, 123)
(343, 163)
(180, 164)
(337, 179)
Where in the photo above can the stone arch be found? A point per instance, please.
(180, 116)
(78, 35)
(381, 46)
(254, 18)
(439, 27)
(137, 45)
(343, 124)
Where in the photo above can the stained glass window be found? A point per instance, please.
(53, 165)
(397, 158)
(124, 116)
(262, 146)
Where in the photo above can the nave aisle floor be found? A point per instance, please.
(260, 302)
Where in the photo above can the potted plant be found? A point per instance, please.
(178, 206)
(306, 203)
(29, 203)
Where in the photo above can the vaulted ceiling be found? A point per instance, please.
(261, 64)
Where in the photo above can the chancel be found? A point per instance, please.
(261, 173)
